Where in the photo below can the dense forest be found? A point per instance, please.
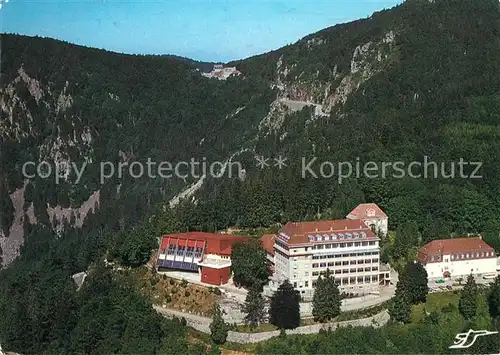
(436, 95)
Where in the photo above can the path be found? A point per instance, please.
(234, 297)
(202, 324)
(232, 313)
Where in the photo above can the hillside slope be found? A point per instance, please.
(66, 104)
(420, 80)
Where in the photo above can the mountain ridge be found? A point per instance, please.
(419, 80)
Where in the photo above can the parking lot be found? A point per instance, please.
(449, 285)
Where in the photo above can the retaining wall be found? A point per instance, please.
(203, 325)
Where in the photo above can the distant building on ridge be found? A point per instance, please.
(221, 73)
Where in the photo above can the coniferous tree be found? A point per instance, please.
(254, 308)
(494, 299)
(284, 311)
(468, 299)
(326, 300)
(400, 308)
(218, 327)
(414, 281)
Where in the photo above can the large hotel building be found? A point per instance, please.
(299, 252)
(349, 248)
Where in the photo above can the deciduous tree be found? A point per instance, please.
(249, 264)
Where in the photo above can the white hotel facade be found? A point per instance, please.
(349, 248)
(457, 258)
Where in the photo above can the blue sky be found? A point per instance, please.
(209, 30)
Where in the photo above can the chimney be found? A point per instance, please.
(316, 229)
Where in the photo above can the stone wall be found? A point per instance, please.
(202, 324)
(375, 321)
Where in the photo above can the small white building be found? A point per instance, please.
(372, 215)
(457, 258)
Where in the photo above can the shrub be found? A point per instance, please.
(172, 282)
(183, 322)
(184, 283)
(153, 281)
(168, 299)
(187, 294)
(217, 291)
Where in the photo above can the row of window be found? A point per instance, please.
(349, 271)
(352, 255)
(306, 284)
(330, 246)
(282, 245)
(343, 263)
(182, 248)
(185, 255)
(334, 236)
(348, 281)
(343, 245)
(466, 256)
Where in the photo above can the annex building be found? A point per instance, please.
(349, 248)
(458, 257)
(208, 254)
(372, 215)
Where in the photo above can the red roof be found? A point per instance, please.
(298, 232)
(267, 241)
(215, 243)
(366, 210)
(452, 246)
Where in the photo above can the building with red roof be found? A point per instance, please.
(348, 247)
(267, 242)
(372, 215)
(457, 257)
(209, 254)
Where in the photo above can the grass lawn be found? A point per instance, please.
(435, 302)
(172, 293)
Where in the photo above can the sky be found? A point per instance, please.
(206, 30)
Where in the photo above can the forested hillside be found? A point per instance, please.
(422, 79)
(436, 95)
